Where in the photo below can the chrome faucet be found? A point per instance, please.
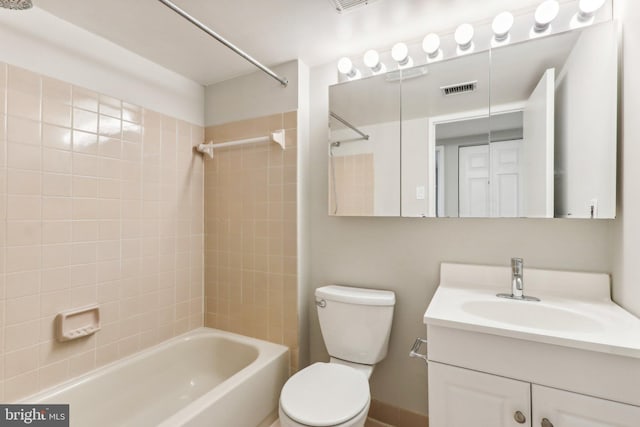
(517, 279)
(517, 282)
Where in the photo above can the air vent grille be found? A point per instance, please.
(459, 88)
(346, 5)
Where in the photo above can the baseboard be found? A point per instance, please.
(395, 416)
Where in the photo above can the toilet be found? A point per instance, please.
(355, 325)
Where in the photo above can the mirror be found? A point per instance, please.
(565, 88)
(442, 93)
(525, 130)
(364, 147)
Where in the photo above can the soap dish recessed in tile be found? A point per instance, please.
(77, 323)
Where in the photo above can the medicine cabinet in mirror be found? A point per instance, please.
(525, 130)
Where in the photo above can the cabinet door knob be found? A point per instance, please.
(520, 418)
(546, 423)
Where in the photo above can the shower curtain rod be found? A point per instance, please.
(349, 125)
(283, 80)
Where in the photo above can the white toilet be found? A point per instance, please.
(355, 325)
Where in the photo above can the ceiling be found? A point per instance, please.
(273, 31)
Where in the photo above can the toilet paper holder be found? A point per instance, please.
(415, 350)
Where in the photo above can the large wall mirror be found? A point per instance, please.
(524, 130)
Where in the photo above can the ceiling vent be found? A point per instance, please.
(459, 88)
(347, 5)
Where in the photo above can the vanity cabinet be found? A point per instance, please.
(460, 397)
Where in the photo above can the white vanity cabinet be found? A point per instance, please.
(566, 409)
(461, 397)
(570, 360)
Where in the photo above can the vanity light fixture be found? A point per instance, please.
(431, 46)
(544, 15)
(372, 60)
(345, 66)
(586, 13)
(501, 26)
(400, 54)
(464, 38)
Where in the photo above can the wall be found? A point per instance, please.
(101, 203)
(252, 95)
(415, 166)
(304, 229)
(404, 255)
(626, 248)
(37, 40)
(251, 232)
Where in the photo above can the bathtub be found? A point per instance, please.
(206, 378)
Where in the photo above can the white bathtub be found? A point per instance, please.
(206, 378)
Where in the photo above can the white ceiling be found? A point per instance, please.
(273, 31)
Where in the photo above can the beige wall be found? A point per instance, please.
(251, 232)
(252, 95)
(626, 277)
(404, 254)
(101, 203)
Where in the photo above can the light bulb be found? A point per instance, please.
(400, 54)
(464, 38)
(501, 26)
(345, 66)
(431, 46)
(545, 14)
(372, 60)
(588, 9)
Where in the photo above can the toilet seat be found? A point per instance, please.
(325, 394)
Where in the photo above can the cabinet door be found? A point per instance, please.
(462, 398)
(566, 409)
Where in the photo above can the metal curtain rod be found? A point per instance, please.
(283, 80)
(349, 125)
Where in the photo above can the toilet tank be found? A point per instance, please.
(355, 322)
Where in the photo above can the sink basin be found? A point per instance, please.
(534, 315)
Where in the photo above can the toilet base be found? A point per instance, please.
(357, 421)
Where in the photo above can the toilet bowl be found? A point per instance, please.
(325, 394)
(355, 325)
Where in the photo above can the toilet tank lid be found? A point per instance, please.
(351, 295)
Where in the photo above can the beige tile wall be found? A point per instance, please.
(354, 185)
(101, 202)
(250, 229)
